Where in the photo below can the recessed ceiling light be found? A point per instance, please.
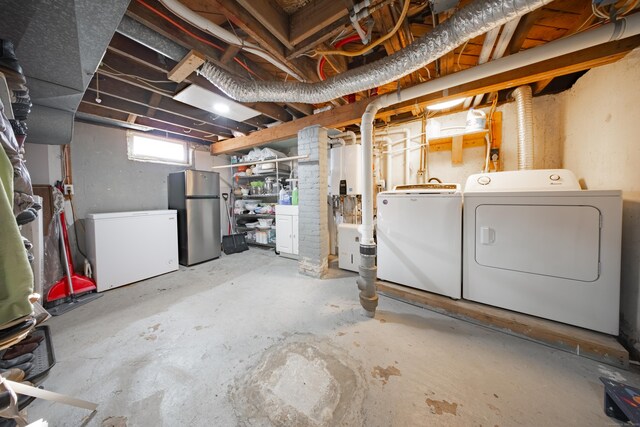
(221, 108)
(446, 104)
(204, 99)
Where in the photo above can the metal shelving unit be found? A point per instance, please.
(272, 198)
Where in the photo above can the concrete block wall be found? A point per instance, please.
(313, 231)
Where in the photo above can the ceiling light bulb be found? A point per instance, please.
(446, 104)
(221, 108)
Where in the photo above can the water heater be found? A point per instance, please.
(346, 170)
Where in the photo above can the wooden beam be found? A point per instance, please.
(271, 15)
(522, 30)
(338, 117)
(186, 66)
(330, 32)
(314, 17)
(351, 113)
(132, 51)
(140, 110)
(132, 118)
(230, 53)
(154, 102)
(105, 112)
(240, 17)
(589, 344)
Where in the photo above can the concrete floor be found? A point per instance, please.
(246, 340)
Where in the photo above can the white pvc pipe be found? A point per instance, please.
(407, 142)
(388, 175)
(625, 27)
(348, 134)
(217, 31)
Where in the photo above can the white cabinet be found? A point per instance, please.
(349, 247)
(287, 230)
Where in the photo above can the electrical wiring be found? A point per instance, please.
(108, 73)
(370, 46)
(195, 36)
(612, 12)
(114, 70)
(460, 54)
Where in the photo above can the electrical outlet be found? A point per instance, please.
(68, 189)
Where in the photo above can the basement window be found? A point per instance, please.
(154, 149)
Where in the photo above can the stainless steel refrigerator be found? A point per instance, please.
(196, 197)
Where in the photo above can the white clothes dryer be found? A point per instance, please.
(535, 243)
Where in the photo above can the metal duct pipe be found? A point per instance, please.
(524, 119)
(469, 22)
(623, 28)
(217, 31)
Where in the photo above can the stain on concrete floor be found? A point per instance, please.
(302, 381)
(440, 407)
(384, 373)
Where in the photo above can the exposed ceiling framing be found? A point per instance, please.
(136, 84)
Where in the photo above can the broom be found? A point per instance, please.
(234, 242)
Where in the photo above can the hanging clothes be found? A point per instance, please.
(16, 277)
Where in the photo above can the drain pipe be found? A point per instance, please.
(407, 155)
(524, 118)
(623, 28)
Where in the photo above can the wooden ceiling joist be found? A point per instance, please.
(351, 113)
(139, 109)
(272, 16)
(146, 57)
(155, 103)
(314, 17)
(176, 131)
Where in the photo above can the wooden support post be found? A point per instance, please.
(456, 150)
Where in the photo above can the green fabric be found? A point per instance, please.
(16, 277)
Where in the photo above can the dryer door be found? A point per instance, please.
(557, 241)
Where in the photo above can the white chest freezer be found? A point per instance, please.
(125, 247)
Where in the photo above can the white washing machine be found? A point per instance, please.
(537, 244)
(419, 236)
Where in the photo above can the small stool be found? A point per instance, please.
(621, 401)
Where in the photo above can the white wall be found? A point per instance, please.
(601, 145)
(43, 162)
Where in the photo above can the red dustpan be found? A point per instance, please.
(73, 289)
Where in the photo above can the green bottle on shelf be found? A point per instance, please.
(294, 193)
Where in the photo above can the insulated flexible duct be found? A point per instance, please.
(524, 117)
(471, 21)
